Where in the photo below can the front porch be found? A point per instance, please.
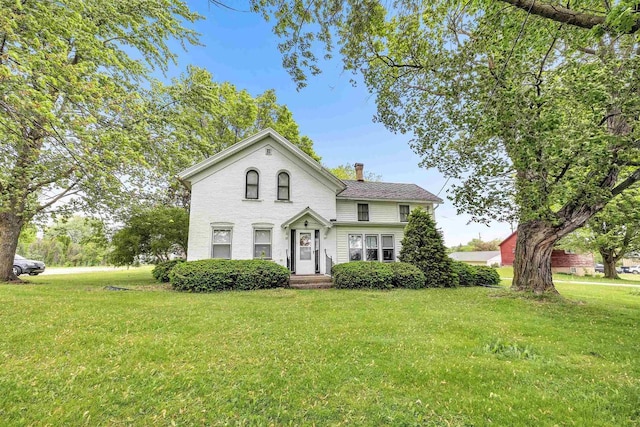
(310, 243)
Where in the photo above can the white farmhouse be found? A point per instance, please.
(265, 198)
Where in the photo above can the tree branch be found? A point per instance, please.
(558, 13)
(392, 64)
(564, 14)
(66, 192)
(631, 179)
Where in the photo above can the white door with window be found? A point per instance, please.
(305, 250)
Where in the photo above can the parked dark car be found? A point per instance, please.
(21, 265)
(624, 269)
(599, 268)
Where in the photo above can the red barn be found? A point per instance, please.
(562, 261)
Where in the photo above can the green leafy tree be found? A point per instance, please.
(83, 239)
(196, 117)
(532, 107)
(28, 235)
(477, 244)
(72, 120)
(348, 171)
(154, 234)
(422, 246)
(70, 241)
(614, 232)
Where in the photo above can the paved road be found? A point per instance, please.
(575, 282)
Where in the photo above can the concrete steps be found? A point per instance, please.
(310, 281)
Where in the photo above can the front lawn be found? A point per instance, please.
(631, 279)
(73, 353)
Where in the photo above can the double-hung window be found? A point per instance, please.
(371, 244)
(252, 184)
(283, 186)
(363, 212)
(404, 213)
(221, 243)
(388, 248)
(355, 247)
(262, 243)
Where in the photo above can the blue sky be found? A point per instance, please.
(240, 48)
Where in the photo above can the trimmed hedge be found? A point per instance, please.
(466, 273)
(362, 274)
(476, 275)
(486, 276)
(161, 270)
(376, 275)
(213, 275)
(407, 276)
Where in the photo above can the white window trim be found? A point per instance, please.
(368, 212)
(393, 246)
(377, 236)
(381, 248)
(253, 246)
(400, 214)
(349, 247)
(221, 228)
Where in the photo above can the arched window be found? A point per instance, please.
(283, 186)
(251, 187)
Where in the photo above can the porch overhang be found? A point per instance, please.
(310, 213)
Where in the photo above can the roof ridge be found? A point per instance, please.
(381, 182)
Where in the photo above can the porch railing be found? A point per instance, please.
(328, 263)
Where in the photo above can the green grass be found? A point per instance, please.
(632, 279)
(72, 353)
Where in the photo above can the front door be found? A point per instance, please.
(305, 252)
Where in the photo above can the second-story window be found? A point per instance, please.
(363, 212)
(404, 213)
(251, 187)
(283, 186)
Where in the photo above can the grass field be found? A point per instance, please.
(73, 353)
(631, 279)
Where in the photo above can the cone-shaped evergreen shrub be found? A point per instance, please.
(423, 247)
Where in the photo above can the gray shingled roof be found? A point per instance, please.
(386, 191)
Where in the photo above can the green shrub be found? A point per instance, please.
(220, 275)
(377, 275)
(466, 273)
(161, 271)
(486, 276)
(423, 247)
(362, 274)
(406, 276)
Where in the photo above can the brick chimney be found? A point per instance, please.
(359, 171)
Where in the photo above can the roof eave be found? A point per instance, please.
(186, 174)
(307, 211)
(374, 199)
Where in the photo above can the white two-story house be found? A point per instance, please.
(265, 198)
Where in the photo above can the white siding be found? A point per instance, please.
(379, 211)
(218, 197)
(346, 210)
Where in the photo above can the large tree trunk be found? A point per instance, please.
(609, 261)
(10, 227)
(532, 264)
